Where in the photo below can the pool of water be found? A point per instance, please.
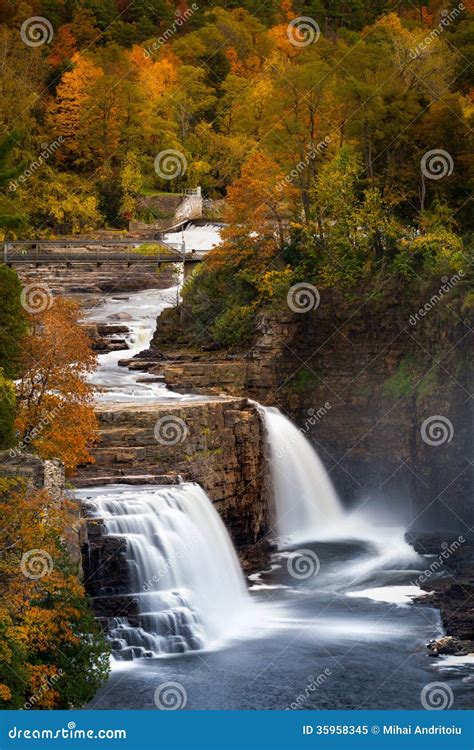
(315, 643)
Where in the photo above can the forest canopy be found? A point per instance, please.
(95, 92)
(339, 135)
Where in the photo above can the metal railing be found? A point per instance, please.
(38, 252)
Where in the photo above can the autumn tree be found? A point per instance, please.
(55, 402)
(52, 653)
(70, 108)
(190, 99)
(221, 301)
(130, 183)
(259, 205)
(60, 201)
(7, 412)
(11, 216)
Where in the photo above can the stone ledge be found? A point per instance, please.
(221, 448)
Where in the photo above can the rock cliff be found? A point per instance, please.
(217, 443)
(382, 392)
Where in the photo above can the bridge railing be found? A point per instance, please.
(92, 251)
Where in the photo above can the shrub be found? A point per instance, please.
(235, 326)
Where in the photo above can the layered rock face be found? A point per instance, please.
(384, 396)
(218, 443)
(92, 280)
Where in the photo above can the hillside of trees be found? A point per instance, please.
(93, 97)
(52, 652)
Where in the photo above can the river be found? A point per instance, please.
(329, 624)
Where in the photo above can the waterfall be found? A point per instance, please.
(306, 503)
(307, 508)
(183, 570)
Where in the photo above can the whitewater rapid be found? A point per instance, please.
(139, 312)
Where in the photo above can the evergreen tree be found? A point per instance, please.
(12, 322)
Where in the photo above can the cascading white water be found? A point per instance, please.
(118, 384)
(308, 509)
(306, 503)
(184, 572)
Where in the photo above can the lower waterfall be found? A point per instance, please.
(306, 503)
(184, 573)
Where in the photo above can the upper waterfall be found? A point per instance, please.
(306, 503)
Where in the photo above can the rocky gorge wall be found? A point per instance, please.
(217, 443)
(381, 391)
(90, 281)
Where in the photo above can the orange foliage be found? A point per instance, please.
(73, 102)
(258, 203)
(65, 46)
(287, 9)
(39, 590)
(55, 411)
(155, 76)
(236, 66)
(426, 16)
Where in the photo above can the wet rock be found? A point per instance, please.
(448, 645)
(120, 316)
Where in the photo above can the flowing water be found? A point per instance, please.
(184, 572)
(200, 238)
(330, 624)
(138, 311)
(306, 504)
